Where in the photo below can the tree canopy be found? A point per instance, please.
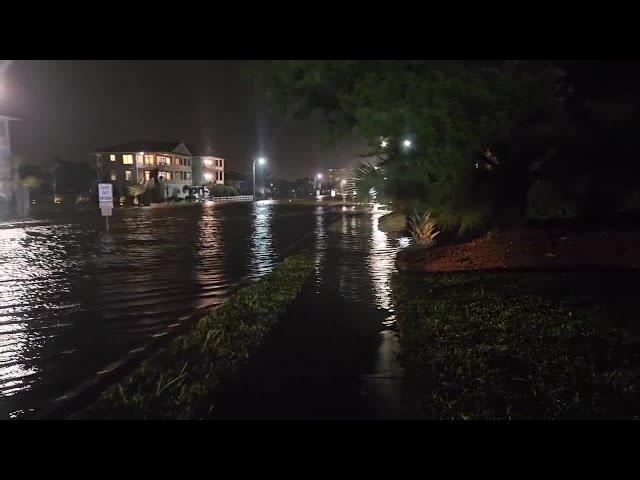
(481, 133)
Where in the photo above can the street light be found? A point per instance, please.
(261, 161)
(406, 143)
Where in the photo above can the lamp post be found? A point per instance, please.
(318, 184)
(261, 161)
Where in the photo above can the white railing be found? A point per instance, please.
(237, 198)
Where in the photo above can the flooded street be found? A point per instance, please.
(334, 354)
(74, 299)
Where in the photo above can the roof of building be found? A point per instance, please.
(202, 151)
(147, 146)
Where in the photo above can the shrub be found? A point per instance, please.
(423, 229)
(545, 201)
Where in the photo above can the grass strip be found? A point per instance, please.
(181, 380)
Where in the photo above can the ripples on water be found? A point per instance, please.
(74, 299)
(367, 259)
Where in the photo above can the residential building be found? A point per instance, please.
(163, 165)
(6, 166)
(207, 169)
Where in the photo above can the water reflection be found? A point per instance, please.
(332, 355)
(74, 299)
(262, 253)
(37, 279)
(381, 264)
(320, 236)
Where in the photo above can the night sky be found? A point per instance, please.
(69, 108)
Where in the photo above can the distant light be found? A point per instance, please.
(208, 176)
(141, 153)
(262, 160)
(384, 144)
(319, 175)
(406, 143)
(207, 162)
(343, 182)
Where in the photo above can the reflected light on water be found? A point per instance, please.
(74, 299)
(320, 235)
(262, 252)
(381, 264)
(20, 284)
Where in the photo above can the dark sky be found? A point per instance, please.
(69, 108)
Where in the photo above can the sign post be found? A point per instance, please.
(105, 199)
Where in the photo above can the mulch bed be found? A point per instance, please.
(529, 248)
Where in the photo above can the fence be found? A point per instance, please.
(237, 198)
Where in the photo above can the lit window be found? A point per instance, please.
(127, 159)
(187, 175)
(162, 160)
(112, 158)
(148, 159)
(166, 175)
(113, 176)
(127, 175)
(139, 159)
(147, 175)
(207, 162)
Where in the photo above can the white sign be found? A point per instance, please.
(106, 210)
(105, 193)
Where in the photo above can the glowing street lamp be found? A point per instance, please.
(407, 143)
(384, 143)
(261, 161)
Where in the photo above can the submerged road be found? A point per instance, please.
(74, 299)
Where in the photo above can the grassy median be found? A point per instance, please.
(181, 381)
(521, 345)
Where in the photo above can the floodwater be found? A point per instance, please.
(334, 353)
(74, 299)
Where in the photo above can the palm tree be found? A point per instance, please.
(136, 190)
